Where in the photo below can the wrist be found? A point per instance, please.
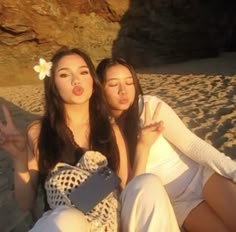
(20, 166)
(142, 149)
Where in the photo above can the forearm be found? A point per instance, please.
(206, 155)
(192, 146)
(24, 189)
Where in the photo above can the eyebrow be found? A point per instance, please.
(114, 78)
(65, 68)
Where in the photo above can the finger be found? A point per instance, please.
(155, 126)
(147, 116)
(2, 138)
(8, 117)
(156, 112)
(161, 126)
(151, 127)
(13, 140)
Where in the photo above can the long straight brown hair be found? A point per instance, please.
(128, 121)
(55, 138)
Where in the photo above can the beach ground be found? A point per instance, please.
(202, 92)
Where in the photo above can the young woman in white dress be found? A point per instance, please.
(199, 179)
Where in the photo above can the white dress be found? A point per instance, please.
(183, 161)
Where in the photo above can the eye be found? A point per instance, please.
(64, 75)
(84, 72)
(112, 84)
(129, 82)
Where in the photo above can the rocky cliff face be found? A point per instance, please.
(144, 32)
(154, 32)
(30, 29)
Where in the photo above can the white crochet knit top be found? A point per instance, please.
(64, 178)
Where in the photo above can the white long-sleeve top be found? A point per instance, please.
(173, 164)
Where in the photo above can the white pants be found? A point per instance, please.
(145, 208)
(62, 219)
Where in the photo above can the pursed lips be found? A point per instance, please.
(123, 100)
(78, 90)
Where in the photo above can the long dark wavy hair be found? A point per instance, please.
(56, 140)
(128, 121)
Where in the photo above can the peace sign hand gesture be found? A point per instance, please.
(11, 140)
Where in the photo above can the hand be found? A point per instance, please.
(151, 128)
(11, 140)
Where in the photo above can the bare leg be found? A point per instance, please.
(220, 194)
(203, 219)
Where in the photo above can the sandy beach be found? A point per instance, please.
(203, 93)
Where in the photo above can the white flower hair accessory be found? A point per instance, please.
(43, 68)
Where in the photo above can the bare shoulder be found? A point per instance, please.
(33, 128)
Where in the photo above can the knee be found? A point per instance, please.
(68, 216)
(145, 194)
(147, 182)
(148, 179)
(62, 218)
(70, 219)
(147, 186)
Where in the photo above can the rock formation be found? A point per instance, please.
(144, 32)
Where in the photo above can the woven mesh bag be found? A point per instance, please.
(64, 178)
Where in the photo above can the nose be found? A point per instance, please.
(122, 89)
(75, 79)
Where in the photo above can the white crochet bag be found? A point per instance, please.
(64, 178)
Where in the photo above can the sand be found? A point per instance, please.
(203, 93)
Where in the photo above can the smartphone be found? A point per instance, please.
(87, 195)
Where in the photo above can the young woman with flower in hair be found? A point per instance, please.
(73, 139)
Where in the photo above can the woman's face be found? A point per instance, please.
(119, 89)
(73, 80)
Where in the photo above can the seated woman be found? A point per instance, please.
(199, 180)
(73, 139)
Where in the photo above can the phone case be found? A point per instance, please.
(87, 195)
